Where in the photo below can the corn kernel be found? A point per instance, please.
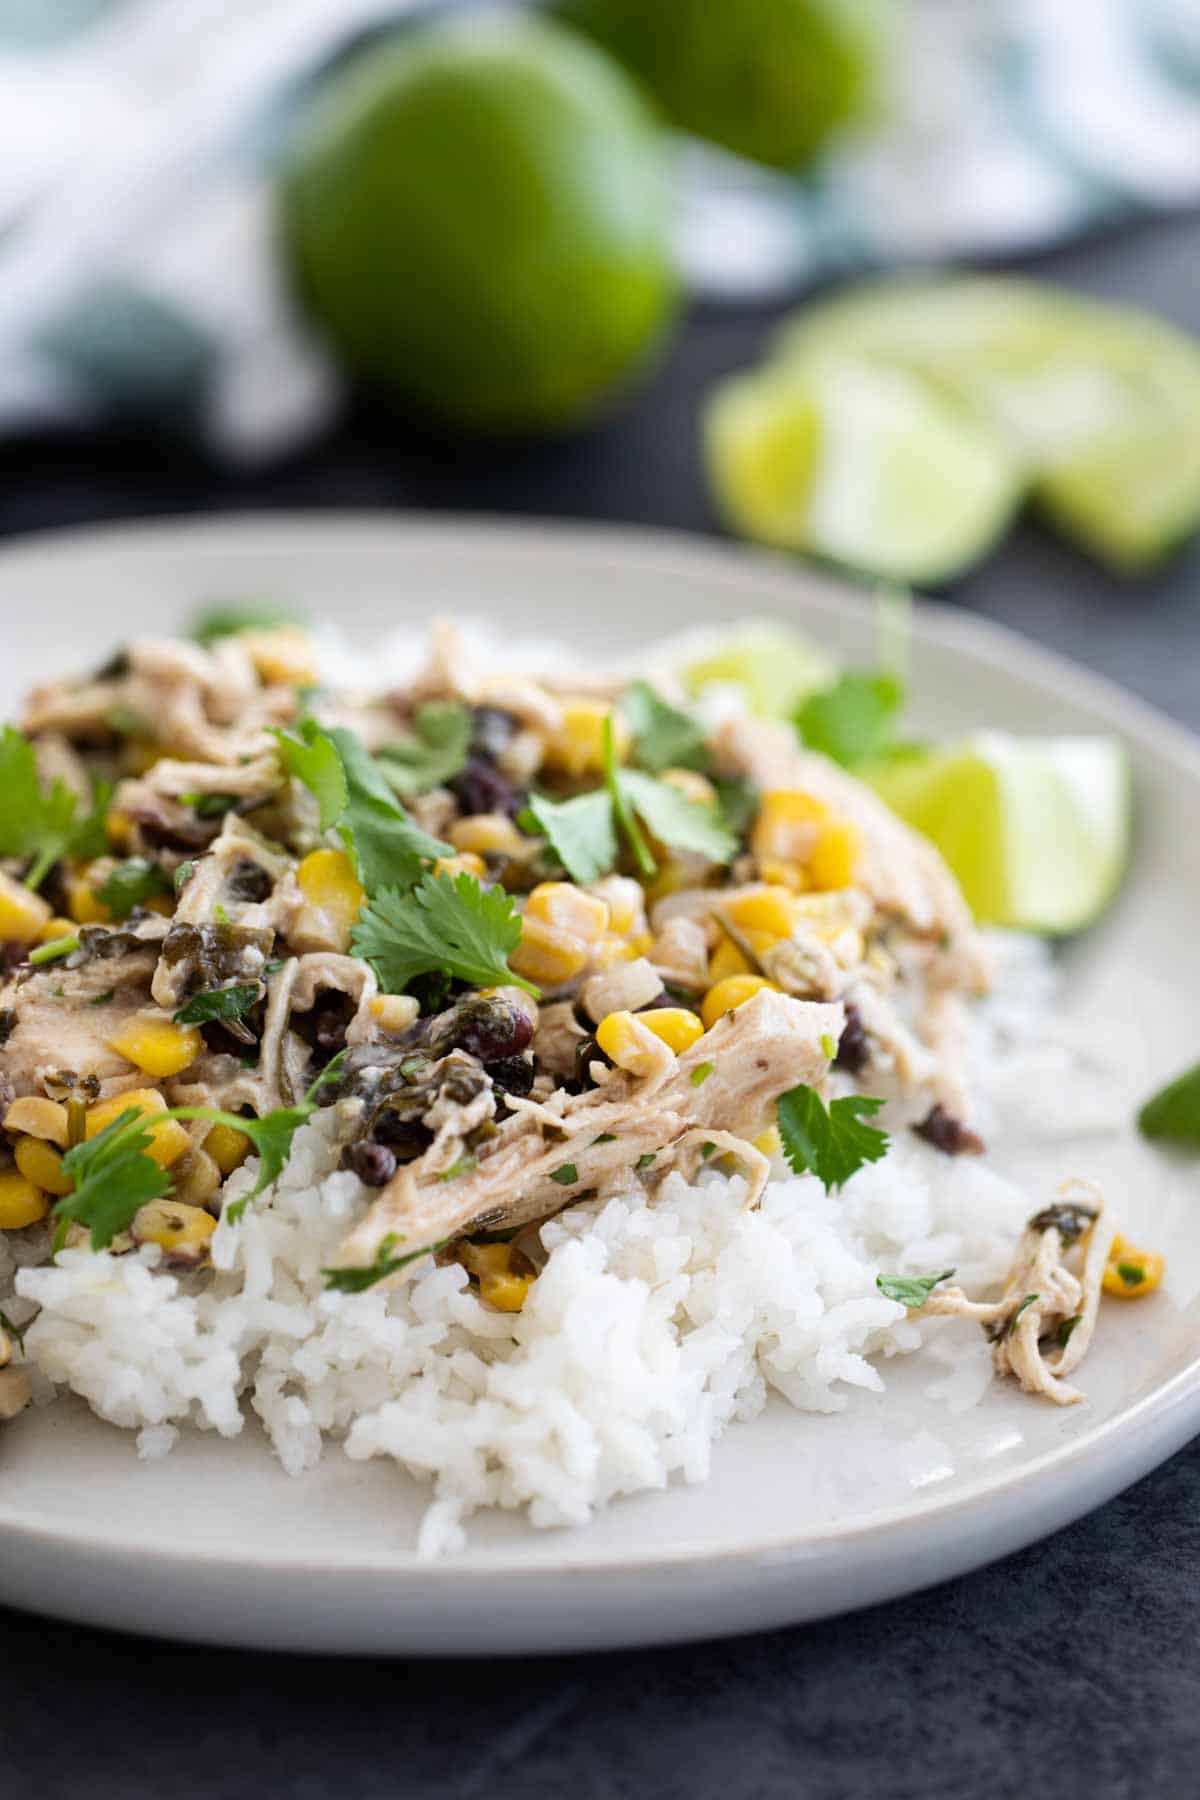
(785, 827)
(483, 832)
(227, 1147)
(23, 914)
(36, 1117)
(197, 1179)
(466, 863)
(139, 755)
(500, 1283)
(783, 874)
(118, 828)
(612, 950)
(1131, 1272)
(335, 896)
(41, 1163)
(56, 928)
(507, 1293)
(768, 909)
(768, 1141)
(622, 1037)
(835, 855)
(561, 903)
(672, 876)
(394, 1013)
(284, 656)
(547, 955)
(727, 960)
(157, 1046)
(174, 1225)
(693, 786)
(168, 1140)
(625, 901)
(21, 1202)
(577, 747)
(678, 1028)
(83, 903)
(731, 993)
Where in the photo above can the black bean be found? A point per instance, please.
(948, 1134)
(374, 1164)
(587, 1052)
(1066, 1217)
(492, 1030)
(491, 731)
(248, 881)
(512, 1076)
(854, 1046)
(405, 1138)
(481, 788)
(12, 955)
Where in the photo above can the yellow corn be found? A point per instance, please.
(500, 1283)
(158, 1047)
(284, 657)
(118, 828)
(57, 928)
(327, 880)
(466, 863)
(482, 832)
(394, 1013)
(1131, 1272)
(612, 950)
(174, 1225)
(622, 1042)
(23, 914)
(21, 1203)
(835, 855)
(548, 955)
(625, 902)
(678, 1028)
(139, 755)
(168, 1140)
(727, 960)
(731, 993)
(41, 1163)
(39, 1118)
(785, 828)
(768, 909)
(693, 786)
(768, 1141)
(672, 876)
(783, 874)
(83, 903)
(577, 748)
(561, 903)
(227, 1147)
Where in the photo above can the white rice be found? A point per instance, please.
(650, 1329)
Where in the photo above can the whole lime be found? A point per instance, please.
(475, 218)
(769, 79)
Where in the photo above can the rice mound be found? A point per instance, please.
(650, 1329)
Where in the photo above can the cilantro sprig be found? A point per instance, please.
(37, 825)
(434, 754)
(853, 721)
(131, 884)
(831, 1143)
(910, 1290)
(224, 1005)
(580, 832)
(444, 924)
(357, 1281)
(663, 736)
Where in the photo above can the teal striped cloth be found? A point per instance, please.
(138, 138)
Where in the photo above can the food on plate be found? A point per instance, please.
(510, 1073)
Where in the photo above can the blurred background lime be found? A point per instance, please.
(769, 79)
(476, 221)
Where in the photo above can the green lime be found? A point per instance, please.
(775, 668)
(1036, 829)
(1102, 402)
(769, 79)
(476, 219)
(861, 463)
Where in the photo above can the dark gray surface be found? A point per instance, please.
(1069, 1669)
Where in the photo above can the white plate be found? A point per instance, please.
(804, 1515)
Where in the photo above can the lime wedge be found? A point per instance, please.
(1102, 402)
(864, 464)
(1036, 829)
(775, 668)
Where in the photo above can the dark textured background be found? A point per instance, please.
(1070, 1669)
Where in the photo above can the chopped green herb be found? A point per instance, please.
(216, 622)
(1132, 1274)
(828, 1048)
(580, 832)
(706, 1151)
(356, 1281)
(675, 820)
(312, 757)
(219, 1003)
(463, 1166)
(910, 1290)
(131, 884)
(646, 1158)
(851, 722)
(1173, 1114)
(183, 875)
(663, 737)
(14, 1331)
(112, 1177)
(622, 811)
(37, 825)
(1063, 1334)
(436, 752)
(831, 1144)
(566, 1176)
(63, 946)
(102, 999)
(209, 806)
(89, 839)
(125, 722)
(447, 924)
(738, 800)
(701, 1073)
(606, 1137)
(1026, 1303)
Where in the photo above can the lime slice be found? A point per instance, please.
(865, 464)
(1036, 829)
(775, 668)
(1103, 402)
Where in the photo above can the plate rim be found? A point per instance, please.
(1156, 1414)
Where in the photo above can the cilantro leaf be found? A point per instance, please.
(910, 1290)
(216, 622)
(1173, 1114)
(674, 819)
(566, 1175)
(36, 825)
(131, 884)
(434, 754)
(313, 759)
(852, 721)
(452, 926)
(89, 838)
(112, 1178)
(621, 808)
(738, 797)
(356, 1281)
(580, 832)
(663, 737)
(219, 1003)
(832, 1145)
